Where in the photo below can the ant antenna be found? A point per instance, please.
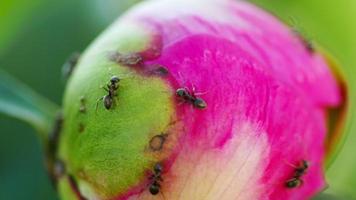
(289, 163)
(162, 194)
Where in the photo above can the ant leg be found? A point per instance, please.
(183, 81)
(301, 181)
(181, 102)
(168, 91)
(127, 75)
(197, 93)
(97, 102)
(180, 76)
(105, 88)
(289, 163)
(193, 88)
(114, 101)
(200, 93)
(163, 197)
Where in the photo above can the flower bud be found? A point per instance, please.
(196, 99)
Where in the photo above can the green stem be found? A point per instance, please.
(19, 101)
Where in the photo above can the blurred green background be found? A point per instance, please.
(37, 36)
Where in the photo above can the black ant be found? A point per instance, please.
(111, 88)
(156, 179)
(298, 173)
(187, 96)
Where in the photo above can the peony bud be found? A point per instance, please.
(196, 100)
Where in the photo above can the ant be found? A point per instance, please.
(298, 173)
(156, 179)
(187, 96)
(111, 88)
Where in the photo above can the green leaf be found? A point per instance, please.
(19, 101)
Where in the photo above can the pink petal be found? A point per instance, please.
(266, 96)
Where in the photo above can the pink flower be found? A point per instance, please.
(266, 98)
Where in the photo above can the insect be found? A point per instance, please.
(70, 64)
(299, 171)
(156, 179)
(111, 88)
(187, 96)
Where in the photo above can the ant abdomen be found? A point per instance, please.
(154, 188)
(108, 102)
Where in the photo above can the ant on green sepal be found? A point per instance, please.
(111, 88)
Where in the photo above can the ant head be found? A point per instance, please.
(200, 103)
(157, 168)
(114, 79)
(305, 164)
(181, 92)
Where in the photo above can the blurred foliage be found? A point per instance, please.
(12, 17)
(330, 23)
(21, 102)
(36, 38)
(324, 196)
